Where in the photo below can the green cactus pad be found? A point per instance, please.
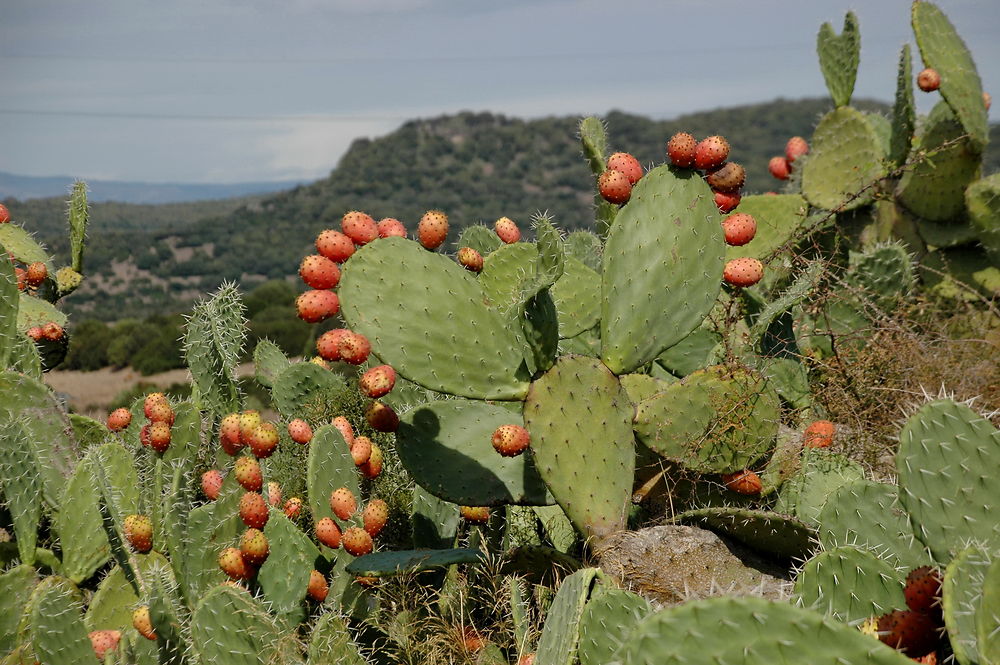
(430, 321)
(434, 521)
(210, 528)
(84, 544)
(988, 616)
(904, 115)
(20, 485)
(594, 139)
(961, 595)
(845, 157)
(671, 227)
(868, 515)
(849, 584)
(982, 199)
(551, 256)
(403, 562)
(587, 343)
(779, 218)
(166, 609)
(34, 311)
(751, 631)
(691, 353)
(329, 467)
(577, 295)
(768, 332)
(585, 247)
(772, 533)
(446, 448)
(883, 272)
(946, 234)
(25, 249)
(935, 187)
(213, 346)
(79, 217)
(480, 238)
(330, 643)
(556, 527)
(882, 127)
(839, 57)
(269, 362)
(641, 387)
(943, 50)
(610, 615)
(588, 469)
(8, 311)
(968, 273)
(561, 632)
(59, 634)
(112, 604)
(299, 383)
(228, 627)
(712, 421)
(822, 473)
(540, 326)
(16, 587)
(947, 458)
(284, 577)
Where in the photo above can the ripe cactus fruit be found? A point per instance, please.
(229, 434)
(779, 167)
(819, 434)
(987, 100)
(343, 425)
(511, 440)
(743, 482)
(506, 229)
(151, 401)
(328, 344)
(681, 149)
(614, 187)
(273, 494)
(232, 564)
(728, 177)
(211, 484)
(373, 467)
(22, 282)
(913, 633)
(119, 419)
(475, 514)
(249, 420)
(390, 227)
(104, 641)
(293, 508)
(144, 435)
(36, 335)
(300, 431)
(263, 440)
(382, 417)
(315, 306)
(342, 503)
(354, 348)
(795, 148)
(359, 227)
(253, 510)
(334, 245)
(361, 450)
(627, 164)
(739, 228)
(470, 259)
(375, 515)
(139, 532)
(36, 273)
(254, 547)
(4, 214)
(248, 474)
(432, 229)
(319, 272)
(726, 202)
(318, 588)
(52, 331)
(929, 80)
(328, 533)
(923, 589)
(160, 412)
(743, 272)
(357, 541)
(377, 381)
(711, 152)
(142, 623)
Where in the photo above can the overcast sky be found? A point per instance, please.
(243, 90)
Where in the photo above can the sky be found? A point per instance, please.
(225, 91)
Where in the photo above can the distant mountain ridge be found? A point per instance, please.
(24, 187)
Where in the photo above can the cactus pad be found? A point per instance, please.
(577, 295)
(849, 584)
(16, 587)
(8, 311)
(839, 57)
(227, 626)
(59, 634)
(561, 632)
(761, 530)
(480, 238)
(904, 116)
(845, 158)
(25, 249)
(778, 219)
(823, 471)
(269, 362)
(402, 562)
(988, 616)
(961, 595)
(283, 578)
(982, 198)
(608, 618)
(585, 247)
(34, 311)
(299, 383)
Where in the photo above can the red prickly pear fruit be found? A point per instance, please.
(373, 467)
(711, 152)
(929, 80)
(361, 451)
(375, 515)
(743, 482)
(36, 273)
(470, 259)
(36, 333)
(377, 381)
(4, 214)
(357, 542)
(293, 508)
(160, 412)
(229, 434)
(923, 589)
(507, 230)
(334, 245)
(253, 510)
(328, 533)
(914, 633)
(343, 425)
(139, 532)
(319, 272)
(779, 167)
(614, 187)
(232, 564)
(727, 178)
(22, 282)
(795, 148)
(52, 331)
(390, 227)
(342, 503)
(104, 641)
(263, 440)
(273, 494)
(475, 514)
(249, 420)
(987, 100)
(680, 150)
(328, 344)
(726, 202)
(318, 588)
(159, 436)
(743, 272)
(432, 229)
(151, 401)
(382, 417)
(316, 305)
(248, 474)
(739, 228)
(144, 435)
(142, 623)
(254, 547)
(211, 484)
(511, 440)
(627, 164)
(300, 431)
(472, 641)
(819, 434)
(359, 227)
(354, 348)
(527, 659)
(119, 419)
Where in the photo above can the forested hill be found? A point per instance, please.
(474, 166)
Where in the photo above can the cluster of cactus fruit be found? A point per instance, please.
(539, 390)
